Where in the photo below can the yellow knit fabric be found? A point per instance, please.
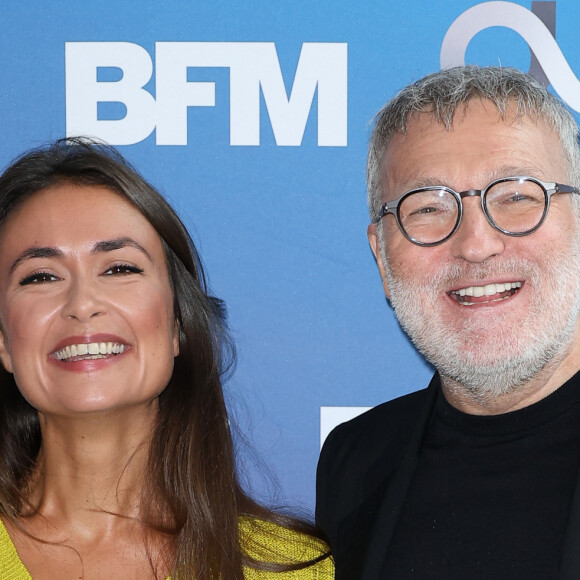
(268, 542)
(11, 568)
(263, 541)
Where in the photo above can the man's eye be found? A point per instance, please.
(429, 210)
(38, 278)
(517, 196)
(122, 269)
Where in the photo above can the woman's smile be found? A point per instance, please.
(80, 353)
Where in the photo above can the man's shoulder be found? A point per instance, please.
(387, 424)
(359, 457)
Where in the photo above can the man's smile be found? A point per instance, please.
(484, 294)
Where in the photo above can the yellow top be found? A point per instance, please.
(268, 542)
(263, 541)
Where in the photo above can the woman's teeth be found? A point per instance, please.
(89, 351)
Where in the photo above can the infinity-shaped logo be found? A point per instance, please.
(529, 27)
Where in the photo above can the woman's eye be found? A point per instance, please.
(38, 278)
(122, 269)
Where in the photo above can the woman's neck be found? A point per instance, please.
(90, 470)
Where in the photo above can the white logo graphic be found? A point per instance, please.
(529, 27)
(330, 417)
(254, 69)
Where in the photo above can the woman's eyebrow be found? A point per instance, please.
(117, 244)
(32, 253)
(99, 247)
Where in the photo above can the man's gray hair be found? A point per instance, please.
(440, 94)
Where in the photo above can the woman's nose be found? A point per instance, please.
(83, 301)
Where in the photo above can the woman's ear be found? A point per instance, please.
(176, 335)
(5, 356)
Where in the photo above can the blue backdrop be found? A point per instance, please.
(253, 118)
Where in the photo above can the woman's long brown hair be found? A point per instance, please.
(191, 493)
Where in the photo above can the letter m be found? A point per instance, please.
(321, 67)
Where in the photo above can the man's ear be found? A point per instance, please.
(375, 247)
(5, 356)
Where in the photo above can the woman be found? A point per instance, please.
(116, 456)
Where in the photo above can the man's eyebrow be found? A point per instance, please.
(32, 253)
(428, 182)
(117, 244)
(514, 171)
(492, 175)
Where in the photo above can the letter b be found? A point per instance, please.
(84, 92)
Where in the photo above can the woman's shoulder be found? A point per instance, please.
(276, 544)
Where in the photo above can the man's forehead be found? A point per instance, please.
(481, 142)
(420, 121)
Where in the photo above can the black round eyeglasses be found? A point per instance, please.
(515, 206)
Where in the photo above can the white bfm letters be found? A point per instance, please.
(253, 66)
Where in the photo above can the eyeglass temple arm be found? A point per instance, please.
(566, 189)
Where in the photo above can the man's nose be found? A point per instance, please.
(83, 301)
(476, 240)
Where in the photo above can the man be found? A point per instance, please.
(472, 182)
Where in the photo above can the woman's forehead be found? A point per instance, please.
(69, 214)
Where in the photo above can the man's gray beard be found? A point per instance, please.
(515, 355)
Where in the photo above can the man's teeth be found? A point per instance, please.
(92, 349)
(488, 289)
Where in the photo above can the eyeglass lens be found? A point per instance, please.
(429, 216)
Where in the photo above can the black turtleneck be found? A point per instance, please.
(490, 497)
